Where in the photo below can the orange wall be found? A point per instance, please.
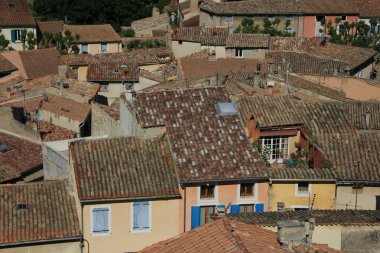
(225, 195)
(309, 24)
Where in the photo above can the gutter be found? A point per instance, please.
(18, 244)
(189, 183)
(100, 201)
(302, 180)
(366, 183)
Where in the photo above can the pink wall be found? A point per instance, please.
(309, 24)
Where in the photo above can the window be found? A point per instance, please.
(319, 18)
(290, 18)
(344, 18)
(206, 212)
(100, 221)
(4, 148)
(103, 47)
(141, 216)
(207, 191)
(22, 207)
(84, 48)
(249, 208)
(247, 190)
(16, 35)
(302, 189)
(277, 147)
(377, 202)
(300, 208)
(180, 42)
(239, 53)
(228, 19)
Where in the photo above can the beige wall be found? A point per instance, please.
(82, 73)
(184, 49)
(220, 51)
(16, 45)
(286, 192)
(366, 197)
(68, 247)
(355, 88)
(247, 53)
(164, 225)
(61, 121)
(95, 48)
(103, 124)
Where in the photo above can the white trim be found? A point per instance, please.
(279, 160)
(297, 194)
(306, 207)
(150, 219)
(248, 200)
(92, 220)
(107, 49)
(208, 202)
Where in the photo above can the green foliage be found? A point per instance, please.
(298, 159)
(161, 4)
(248, 26)
(47, 39)
(115, 12)
(67, 43)
(134, 44)
(127, 33)
(3, 42)
(28, 40)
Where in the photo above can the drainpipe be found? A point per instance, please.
(184, 211)
(81, 245)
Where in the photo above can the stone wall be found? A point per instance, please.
(360, 239)
(103, 124)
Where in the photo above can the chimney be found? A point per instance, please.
(367, 119)
(280, 207)
(295, 231)
(155, 12)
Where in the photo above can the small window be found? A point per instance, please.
(11, 5)
(250, 208)
(205, 213)
(16, 35)
(180, 42)
(100, 221)
(141, 216)
(319, 18)
(239, 53)
(22, 207)
(290, 18)
(228, 19)
(344, 18)
(104, 47)
(303, 189)
(300, 208)
(116, 71)
(84, 48)
(207, 191)
(247, 190)
(4, 148)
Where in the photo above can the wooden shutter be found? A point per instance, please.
(195, 216)
(100, 223)
(234, 208)
(13, 35)
(259, 208)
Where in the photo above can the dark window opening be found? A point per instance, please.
(377, 202)
(11, 5)
(4, 148)
(319, 18)
(249, 208)
(303, 187)
(207, 191)
(247, 190)
(206, 212)
(22, 206)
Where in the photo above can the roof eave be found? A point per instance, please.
(130, 199)
(47, 241)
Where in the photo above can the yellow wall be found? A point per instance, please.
(68, 247)
(82, 73)
(164, 225)
(285, 192)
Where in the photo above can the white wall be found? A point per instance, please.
(184, 49)
(365, 198)
(16, 45)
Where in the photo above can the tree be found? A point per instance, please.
(28, 40)
(3, 42)
(134, 44)
(47, 39)
(127, 33)
(67, 43)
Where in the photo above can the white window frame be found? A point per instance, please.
(293, 207)
(150, 219)
(92, 221)
(303, 195)
(248, 200)
(208, 202)
(239, 53)
(107, 47)
(280, 144)
(290, 18)
(18, 34)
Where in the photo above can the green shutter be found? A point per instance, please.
(13, 35)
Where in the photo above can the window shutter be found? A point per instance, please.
(234, 208)
(13, 35)
(136, 213)
(100, 220)
(221, 206)
(141, 215)
(259, 208)
(145, 215)
(195, 216)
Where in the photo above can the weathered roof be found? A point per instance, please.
(23, 157)
(51, 132)
(125, 167)
(82, 88)
(150, 22)
(212, 36)
(34, 63)
(112, 71)
(94, 33)
(50, 214)
(322, 217)
(53, 27)
(205, 145)
(303, 174)
(15, 13)
(241, 40)
(222, 235)
(112, 110)
(357, 110)
(368, 8)
(6, 66)
(77, 59)
(58, 105)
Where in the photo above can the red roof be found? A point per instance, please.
(15, 13)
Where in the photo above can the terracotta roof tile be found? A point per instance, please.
(368, 8)
(211, 36)
(51, 132)
(94, 33)
(126, 167)
(50, 214)
(6, 66)
(111, 72)
(221, 236)
(77, 59)
(54, 27)
(23, 156)
(16, 15)
(240, 40)
(205, 145)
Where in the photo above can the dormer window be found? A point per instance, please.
(4, 148)
(116, 71)
(11, 5)
(22, 207)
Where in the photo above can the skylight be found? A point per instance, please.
(226, 109)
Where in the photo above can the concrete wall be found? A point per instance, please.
(83, 99)
(164, 225)
(348, 198)
(355, 88)
(56, 163)
(361, 239)
(17, 45)
(365, 73)
(114, 91)
(184, 49)
(220, 51)
(95, 48)
(103, 124)
(61, 121)
(67, 247)
(286, 192)
(247, 53)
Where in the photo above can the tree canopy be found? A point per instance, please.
(115, 12)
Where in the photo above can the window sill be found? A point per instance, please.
(141, 231)
(304, 195)
(100, 234)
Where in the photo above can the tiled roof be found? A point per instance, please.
(205, 145)
(191, 22)
(300, 173)
(50, 215)
(322, 217)
(368, 8)
(34, 63)
(294, 43)
(150, 22)
(126, 167)
(222, 235)
(6, 65)
(357, 110)
(54, 27)
(16, 15)
(338, 7)
(113, 110)
(199, 68)
(77, 59)
(23, 157)
(241, 40)
(51, 132)
(57, 105)
(212, 36)
(82, 88)
(112, 71)
(94, 33)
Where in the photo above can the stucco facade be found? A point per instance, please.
(61, 247)
(95, 48)
(312, 26)
(364, 198)
(103, 124)
(16, 45)
(247, 53)
(164, 225)
(184, 48)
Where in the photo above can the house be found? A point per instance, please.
(146, 27)
(368, 10)
(130, 199)
(216, 164)
(337, 228)
(33, 64)
(15, 17)
(240, 45)
(20, 159)
(95, 39)
(38, 217)
(78, 64)
(304, 16)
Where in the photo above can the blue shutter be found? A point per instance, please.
(221, 206)
(13, 35)
(259, 208)
(141, 215)
(195, 216)
(145, 215)
(234, 208)
(100, 222)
